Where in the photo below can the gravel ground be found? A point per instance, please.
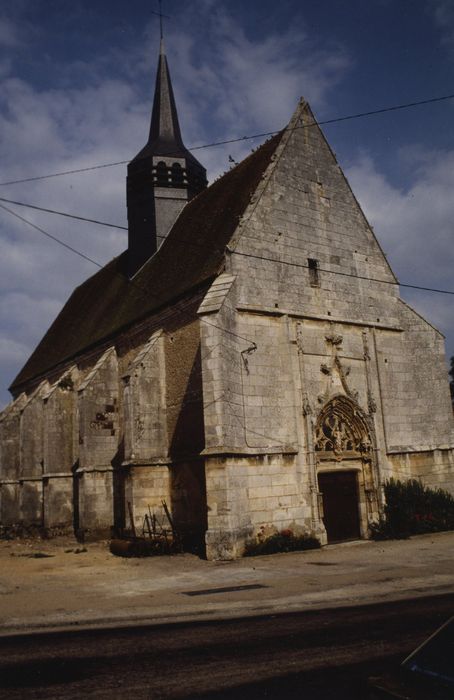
(60, 583)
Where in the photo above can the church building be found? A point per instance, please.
(248, 360)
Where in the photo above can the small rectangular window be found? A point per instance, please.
(313, 272)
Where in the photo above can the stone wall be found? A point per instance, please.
(60, 450)
(247, 494)
(99, 448)
(281, 340)
(10, 461)
(144, 403)
(221, 416)
(184, 410)
(32, 458)
(104, 436)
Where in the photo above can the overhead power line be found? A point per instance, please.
(49, 235)
(146, 292)
(334, 120)
(65, 172)
(343, 274)
(232, 252)
(62, 213)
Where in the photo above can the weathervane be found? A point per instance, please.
(160, 15)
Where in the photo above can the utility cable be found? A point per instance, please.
(49, 235)
(334, 120)
(148, 293)
(62, 213)
(145, 292)
(232, 252)
(343, 274)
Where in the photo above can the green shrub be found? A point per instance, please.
(413, 509)
(284, 541)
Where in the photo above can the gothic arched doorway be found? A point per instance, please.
(340, 498)
(343, 448)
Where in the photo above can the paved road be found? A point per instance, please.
(316, 654)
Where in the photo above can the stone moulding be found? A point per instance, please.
(217, 294)
(271, 311)
(245, 452)
(93, 470)
(157, 462)
(95, 369)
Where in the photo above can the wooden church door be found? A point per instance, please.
(339, 491)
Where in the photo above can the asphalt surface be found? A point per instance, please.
(313, 654)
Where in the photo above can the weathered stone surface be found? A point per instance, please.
(235, 404)
(144, 403)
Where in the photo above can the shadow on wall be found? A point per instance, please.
(189, 504)
(119, 493)
(189, 433)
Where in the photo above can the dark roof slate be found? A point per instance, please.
(193, 253)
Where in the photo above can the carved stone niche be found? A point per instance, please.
(341, 431)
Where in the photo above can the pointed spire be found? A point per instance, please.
(162, 177)
(165, 135)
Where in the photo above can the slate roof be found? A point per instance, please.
(191, 255)
(165, 135)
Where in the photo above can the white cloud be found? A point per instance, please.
(415, 228)
(99, 112)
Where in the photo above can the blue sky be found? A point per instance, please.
(76, 83)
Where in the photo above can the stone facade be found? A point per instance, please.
(278, 393)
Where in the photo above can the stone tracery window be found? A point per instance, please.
(341, 429)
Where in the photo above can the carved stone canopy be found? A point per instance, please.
(341, 430)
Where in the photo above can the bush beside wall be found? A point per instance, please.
(413, 509)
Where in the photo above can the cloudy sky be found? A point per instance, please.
(76, 84)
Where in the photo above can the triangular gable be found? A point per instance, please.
(93, 372)
(53, 387)
(16, 404)
(142, 354)
(304, 214)
(39, 392)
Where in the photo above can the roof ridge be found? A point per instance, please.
(194, 250)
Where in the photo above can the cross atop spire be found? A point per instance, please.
(165, 136)
(160, 15)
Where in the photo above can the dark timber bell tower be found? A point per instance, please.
(162, 177)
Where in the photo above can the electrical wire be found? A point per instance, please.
(334, 120)
(62, 213)
(194, 245)
(224, 330)
(49, 235)
(344, 274)
(145, 292)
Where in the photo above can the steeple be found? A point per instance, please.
(162, 177)
(165, 135)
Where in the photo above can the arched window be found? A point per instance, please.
(177, 174)
(162, 179)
